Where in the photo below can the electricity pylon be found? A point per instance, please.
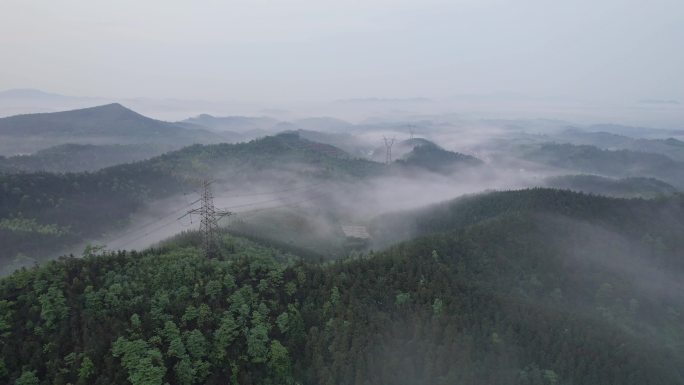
(209, 217)
(389, 142)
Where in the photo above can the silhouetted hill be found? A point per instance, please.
(323, 124)
(29, 93)
(236, 125)
(108, 124)
(633, 131)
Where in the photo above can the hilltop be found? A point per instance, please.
(427, 155)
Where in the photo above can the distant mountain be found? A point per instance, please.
(29, 93)
(253, 127)
(322, 124)
(671, 147)
(383, 100)
(107, 124)
(660, 101)
(243, 125)
(639, 132)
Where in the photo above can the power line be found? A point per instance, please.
(210, 215)
(249, 213)
(273, 192)
(141, 227)
(255, 203)
(148, 233)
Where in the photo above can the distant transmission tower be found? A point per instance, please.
(411, 130)
(389, 142)
(209, 217)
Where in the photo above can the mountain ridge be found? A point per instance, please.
(105, 124)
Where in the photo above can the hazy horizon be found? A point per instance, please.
(615, 51)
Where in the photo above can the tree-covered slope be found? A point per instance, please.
(429, 156)
(277, 153)
(624, 187)
(514, 298)
(617, 163)
(85, 205)
(636, 217)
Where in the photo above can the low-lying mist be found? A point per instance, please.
(295, 203)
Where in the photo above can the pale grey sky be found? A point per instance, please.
(614, 50)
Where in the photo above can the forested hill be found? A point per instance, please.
(670, 147)
(427, 155)
(41, 212)
(107, 124)
(618, 163)
(635, 218)
(623, 187)
(277, 152)
(517, 298)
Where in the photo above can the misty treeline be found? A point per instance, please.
(620, 163)
(86, 205)
(490, 294)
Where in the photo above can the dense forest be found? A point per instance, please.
(501, 288)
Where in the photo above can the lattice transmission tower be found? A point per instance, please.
(389, 142)
(209, 217)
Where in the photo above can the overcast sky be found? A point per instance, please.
(615, 50)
